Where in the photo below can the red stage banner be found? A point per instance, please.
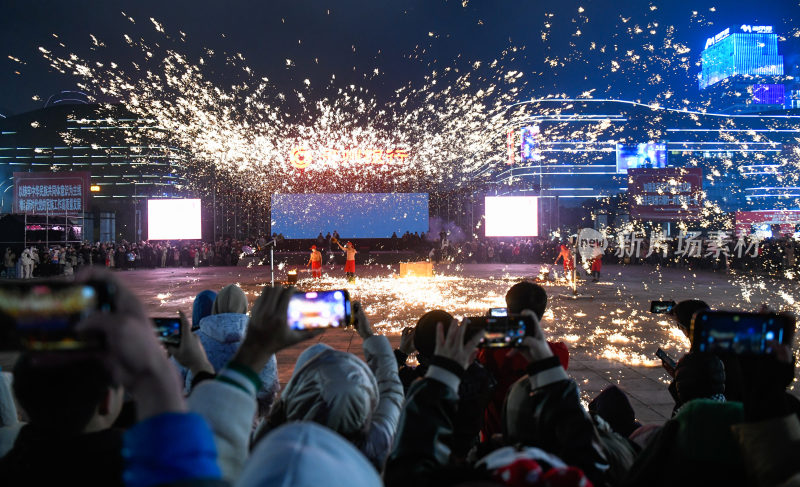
(666, 194)
(42, 193)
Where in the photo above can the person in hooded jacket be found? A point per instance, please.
(222, 332)
(202, 306)
(307, 453)
(360, 401)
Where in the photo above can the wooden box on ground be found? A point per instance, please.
(416, 269)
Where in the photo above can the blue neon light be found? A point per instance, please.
(750, 52)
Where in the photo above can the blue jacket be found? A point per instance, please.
(170, 448)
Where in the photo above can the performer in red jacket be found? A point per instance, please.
(597, 265)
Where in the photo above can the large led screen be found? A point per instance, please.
(173, 219)
(352, 215)
(512, 216)
(641, 156)
(529, 149)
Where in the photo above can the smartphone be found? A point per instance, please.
(738, 332)
(42, 315)
(666, 361)
(501, 331)
(319, 309)
(660, 307)
(498, 312)
(168, 329)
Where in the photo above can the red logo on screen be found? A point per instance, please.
(300, 157)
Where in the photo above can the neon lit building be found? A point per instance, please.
(583, 147)
(750, 50)
(742, 72)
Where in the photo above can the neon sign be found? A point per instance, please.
(713, 40)
(302, 157)
(749, 29)
(757, 29)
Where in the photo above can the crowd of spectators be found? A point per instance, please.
(774, 256)
(40, 260)
(124, 414)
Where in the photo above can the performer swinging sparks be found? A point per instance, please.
(315, 261)
(569, 264)
(350, 263)
(597, 266)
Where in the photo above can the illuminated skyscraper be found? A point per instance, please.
(750, 50)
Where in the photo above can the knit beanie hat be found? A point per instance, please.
(231, 299)
(704, 435)
(203, 303)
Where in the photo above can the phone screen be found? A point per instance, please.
(319, 309)
(43, 316)
(738, 333)
(498, 312)
(500, 332)
(666, 358)
(661, 306)
(168, 329)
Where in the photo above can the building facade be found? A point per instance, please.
(746, 50)
(742, 71)
(130, 160)
(577, 149)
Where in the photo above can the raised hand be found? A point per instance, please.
(133, 353)
(407, 340)
(452, 345)
(268, 330)
(190, 353)
(360, 321)
(534, 346)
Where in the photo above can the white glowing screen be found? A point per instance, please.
(169, 219)
(512, 216)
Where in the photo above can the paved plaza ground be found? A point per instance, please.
(611, 334)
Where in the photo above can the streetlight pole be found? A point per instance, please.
(271, 245)
(214, 205)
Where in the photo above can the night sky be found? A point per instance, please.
(403, 40)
